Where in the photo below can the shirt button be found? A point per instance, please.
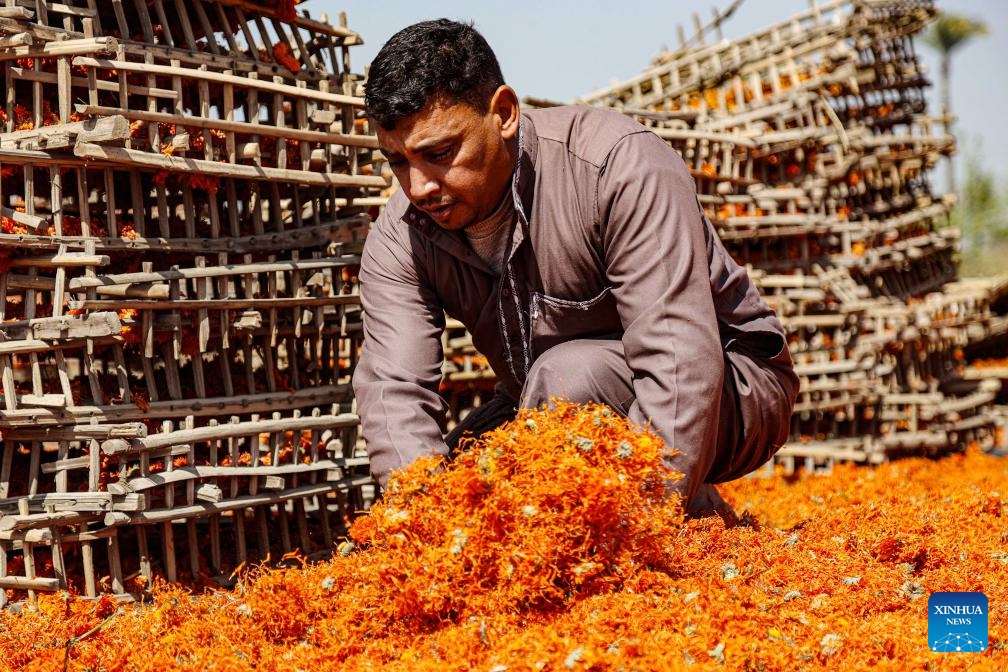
(505, 292)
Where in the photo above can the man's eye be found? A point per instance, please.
(441, 154)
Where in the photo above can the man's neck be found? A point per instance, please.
(501, 215)
(488, 238)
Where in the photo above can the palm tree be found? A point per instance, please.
(945, 35)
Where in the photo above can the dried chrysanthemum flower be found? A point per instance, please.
(470, 532)
(585, 565)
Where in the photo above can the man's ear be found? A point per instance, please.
(504, 106)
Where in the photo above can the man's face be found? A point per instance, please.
(453, 161)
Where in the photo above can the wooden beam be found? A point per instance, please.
(208, 75)
(228, 430)
(120, 156)
(322, 137)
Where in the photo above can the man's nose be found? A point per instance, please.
(423, 184)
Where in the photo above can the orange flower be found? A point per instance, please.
(552, 544)
(8, 225)
(282, 54)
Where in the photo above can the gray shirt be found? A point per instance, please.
(609, 242)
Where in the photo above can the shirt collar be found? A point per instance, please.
(524, 178)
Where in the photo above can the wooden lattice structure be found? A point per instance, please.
(811, 147)
(184, 194)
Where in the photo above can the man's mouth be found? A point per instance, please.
(440, 213)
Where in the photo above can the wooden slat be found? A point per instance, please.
(16, 419)
(121, 156)
(214, 271)
(249, 428)
(70, 47)
(201, 509)
(182, 474)
(287, 90)
(302, 133)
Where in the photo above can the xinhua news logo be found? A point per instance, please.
(957, 622)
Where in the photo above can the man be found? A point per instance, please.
(571, 244)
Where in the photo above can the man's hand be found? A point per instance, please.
(708, 502)
(480, 420)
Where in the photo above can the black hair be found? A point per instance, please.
(439, 57)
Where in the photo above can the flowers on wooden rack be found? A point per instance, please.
(283, 55)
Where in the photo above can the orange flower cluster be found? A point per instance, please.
(130, 331)
(546, 510)
(283, 55)
(553, 544)
(8, 225)
(23, 119)
(990, 363)
(728, 100)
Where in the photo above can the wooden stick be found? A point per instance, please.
(23, 346)
(17, 13)
(96, 85)
(243, 82)
(168, 545)
(197, 472)
(347, 36)
(336, 231)
(263, 531)
(251, 428)
(68, 10)
(36, 520)
(35, 346)
(16, 40)
(331, 138)
(115, 565)
(84, 432)
(87, 563)
(17, 419)
(202, 509)
(282, 517)
(147, 292)
(30, 157)
(75, 501)
(70, 47)
(29, 537)
(70, 259)
(278, 303)
(64, 327)
(110, 127)
(213, 271)
(31, 221)
(25, 583)
(66, 464)
(119, 155)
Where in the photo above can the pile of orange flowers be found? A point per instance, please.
(990, 363)
(554, 544)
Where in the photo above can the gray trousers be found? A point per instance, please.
(754, 414)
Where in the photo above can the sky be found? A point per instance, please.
(561, 49)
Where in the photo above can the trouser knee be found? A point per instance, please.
(580, 371)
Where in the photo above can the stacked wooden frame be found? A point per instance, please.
(811, 148)
(184, 195)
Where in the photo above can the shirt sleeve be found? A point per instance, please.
(655, 248)
(396, 379)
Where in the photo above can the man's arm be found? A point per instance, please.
(396, 380)
(656, 261)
